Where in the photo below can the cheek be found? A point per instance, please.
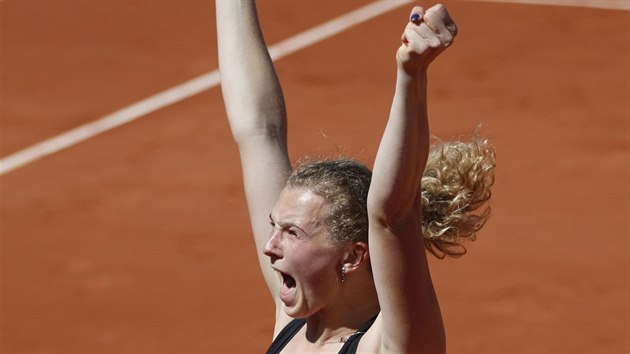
(316, 265)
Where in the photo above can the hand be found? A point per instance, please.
(427, 34)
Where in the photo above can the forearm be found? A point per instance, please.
(251, 91)
(403, 150)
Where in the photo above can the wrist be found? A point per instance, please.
(413, 78)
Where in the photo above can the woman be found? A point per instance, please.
(341, 249)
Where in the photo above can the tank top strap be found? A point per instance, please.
(351, 345)
(283, 338)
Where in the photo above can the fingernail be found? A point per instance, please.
(415, 18)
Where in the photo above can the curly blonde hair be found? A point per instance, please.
(456, 182)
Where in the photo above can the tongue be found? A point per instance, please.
(287, 292)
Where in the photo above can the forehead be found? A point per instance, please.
(299, 206)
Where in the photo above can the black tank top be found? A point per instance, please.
(288, 332)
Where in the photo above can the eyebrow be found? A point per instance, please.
(290, 224)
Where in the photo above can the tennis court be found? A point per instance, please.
(133, 238)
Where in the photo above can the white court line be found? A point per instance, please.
(211, 79)
(190, 88)
(600, 4)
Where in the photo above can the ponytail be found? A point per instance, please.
(455, 188)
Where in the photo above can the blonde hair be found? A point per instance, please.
(344, 184)
(456, 182)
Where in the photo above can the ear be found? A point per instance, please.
(357, 255)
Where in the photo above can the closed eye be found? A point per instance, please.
(288, 228)
(271, 222)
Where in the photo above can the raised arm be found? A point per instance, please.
(411, 320)
(256, 113)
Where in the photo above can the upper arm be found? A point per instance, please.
(410, 313)
(265, 166)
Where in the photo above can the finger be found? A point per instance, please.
(428, 36)
(438, 19)
(416, 15)
(420, 38)
(423, 32)
(415, 18)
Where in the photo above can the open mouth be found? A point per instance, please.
(287, 280)
(288, 289)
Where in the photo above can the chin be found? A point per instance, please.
(294, 313)
(297, 311)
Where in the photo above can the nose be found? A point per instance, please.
(273, 247)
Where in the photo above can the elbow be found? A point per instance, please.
(249, 125)
(252, 119)
(243, 135)
(391, 211)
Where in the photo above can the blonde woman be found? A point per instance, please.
(342, 249)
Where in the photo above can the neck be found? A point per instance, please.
(343, 318)
(322, 330)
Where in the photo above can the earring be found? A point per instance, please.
(343, 274)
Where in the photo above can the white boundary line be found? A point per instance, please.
(190, 88)
(600, 4)
(212, 79)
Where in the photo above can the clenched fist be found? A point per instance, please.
(427, 34)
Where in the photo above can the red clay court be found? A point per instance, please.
(136, 240)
